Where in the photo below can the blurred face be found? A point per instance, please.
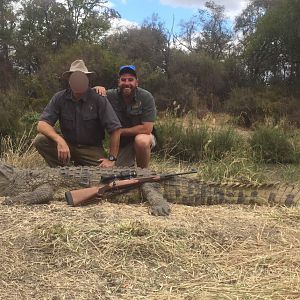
(127, 84)
(79, 82)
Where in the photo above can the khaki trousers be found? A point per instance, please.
(126, 156)
(81, 155)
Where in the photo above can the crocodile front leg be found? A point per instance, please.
(40, 195)
(159, 206)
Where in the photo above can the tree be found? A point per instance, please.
(42, 28)
(149, 43)
(246, 22)
(7, 29)
(208, 32)
(90, 18)
(272, 51)
(45, 26)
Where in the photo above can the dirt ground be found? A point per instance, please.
(118, 251)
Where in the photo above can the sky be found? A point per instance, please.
(134, 12)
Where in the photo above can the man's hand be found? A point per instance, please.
(100, 90)
(63, 151)
(105, 163)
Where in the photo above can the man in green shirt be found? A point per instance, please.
(135, 108)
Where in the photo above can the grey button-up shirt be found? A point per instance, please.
(81, 121)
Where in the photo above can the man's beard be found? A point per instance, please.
(127, 91)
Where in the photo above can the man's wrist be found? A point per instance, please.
(58, 139)
(112, 157)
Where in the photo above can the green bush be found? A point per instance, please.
(195, 142)
(258, 104)
(272, 145)
(222, 142)
(11, 108)
(169, 136)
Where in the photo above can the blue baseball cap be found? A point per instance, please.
(128, 69)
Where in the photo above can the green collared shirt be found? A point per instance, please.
(82, 121)
(142, 109)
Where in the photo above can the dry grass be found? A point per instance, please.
(118, 251)
(112, 251)
(20, 152)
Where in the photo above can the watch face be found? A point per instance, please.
(112, 158)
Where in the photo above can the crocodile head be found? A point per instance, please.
(6, 176)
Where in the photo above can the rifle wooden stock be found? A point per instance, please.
(77, 197)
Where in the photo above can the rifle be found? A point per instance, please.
(115, 182)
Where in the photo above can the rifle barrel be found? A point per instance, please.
(178, 174)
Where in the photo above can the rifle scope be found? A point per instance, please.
(121, 176)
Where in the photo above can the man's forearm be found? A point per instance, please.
(48, 130)
(135, 130)
(114, 142)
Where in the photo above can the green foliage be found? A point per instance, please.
(193, 80)
(30, 119)
(194, 142)
(233, 167)
(40, 87)
(47, 26)
(11, 108)
(184, 143)
(272, 145)
(7, 27)
(261, 103)
(207, 32)
(148, 44)
(40, 40)
(272, 51)
(222, 142)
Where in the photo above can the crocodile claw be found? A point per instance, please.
(160, 209)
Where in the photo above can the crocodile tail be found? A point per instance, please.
(196, 192)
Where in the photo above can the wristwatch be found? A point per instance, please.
(112, 158)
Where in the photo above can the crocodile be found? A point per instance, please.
(38, 186)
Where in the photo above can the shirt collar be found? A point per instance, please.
(69, 96)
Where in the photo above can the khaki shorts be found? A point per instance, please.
(126, 156)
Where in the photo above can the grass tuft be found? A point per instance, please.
(272, 145)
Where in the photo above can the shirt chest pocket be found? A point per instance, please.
(67, 122)
(135, 115)
(91, 120)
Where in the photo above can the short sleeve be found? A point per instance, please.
(51, 111)
(149, 109)
(108, 116)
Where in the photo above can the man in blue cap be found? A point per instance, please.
(135, 108)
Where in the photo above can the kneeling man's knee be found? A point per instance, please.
(143, 141)
(40, 140)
